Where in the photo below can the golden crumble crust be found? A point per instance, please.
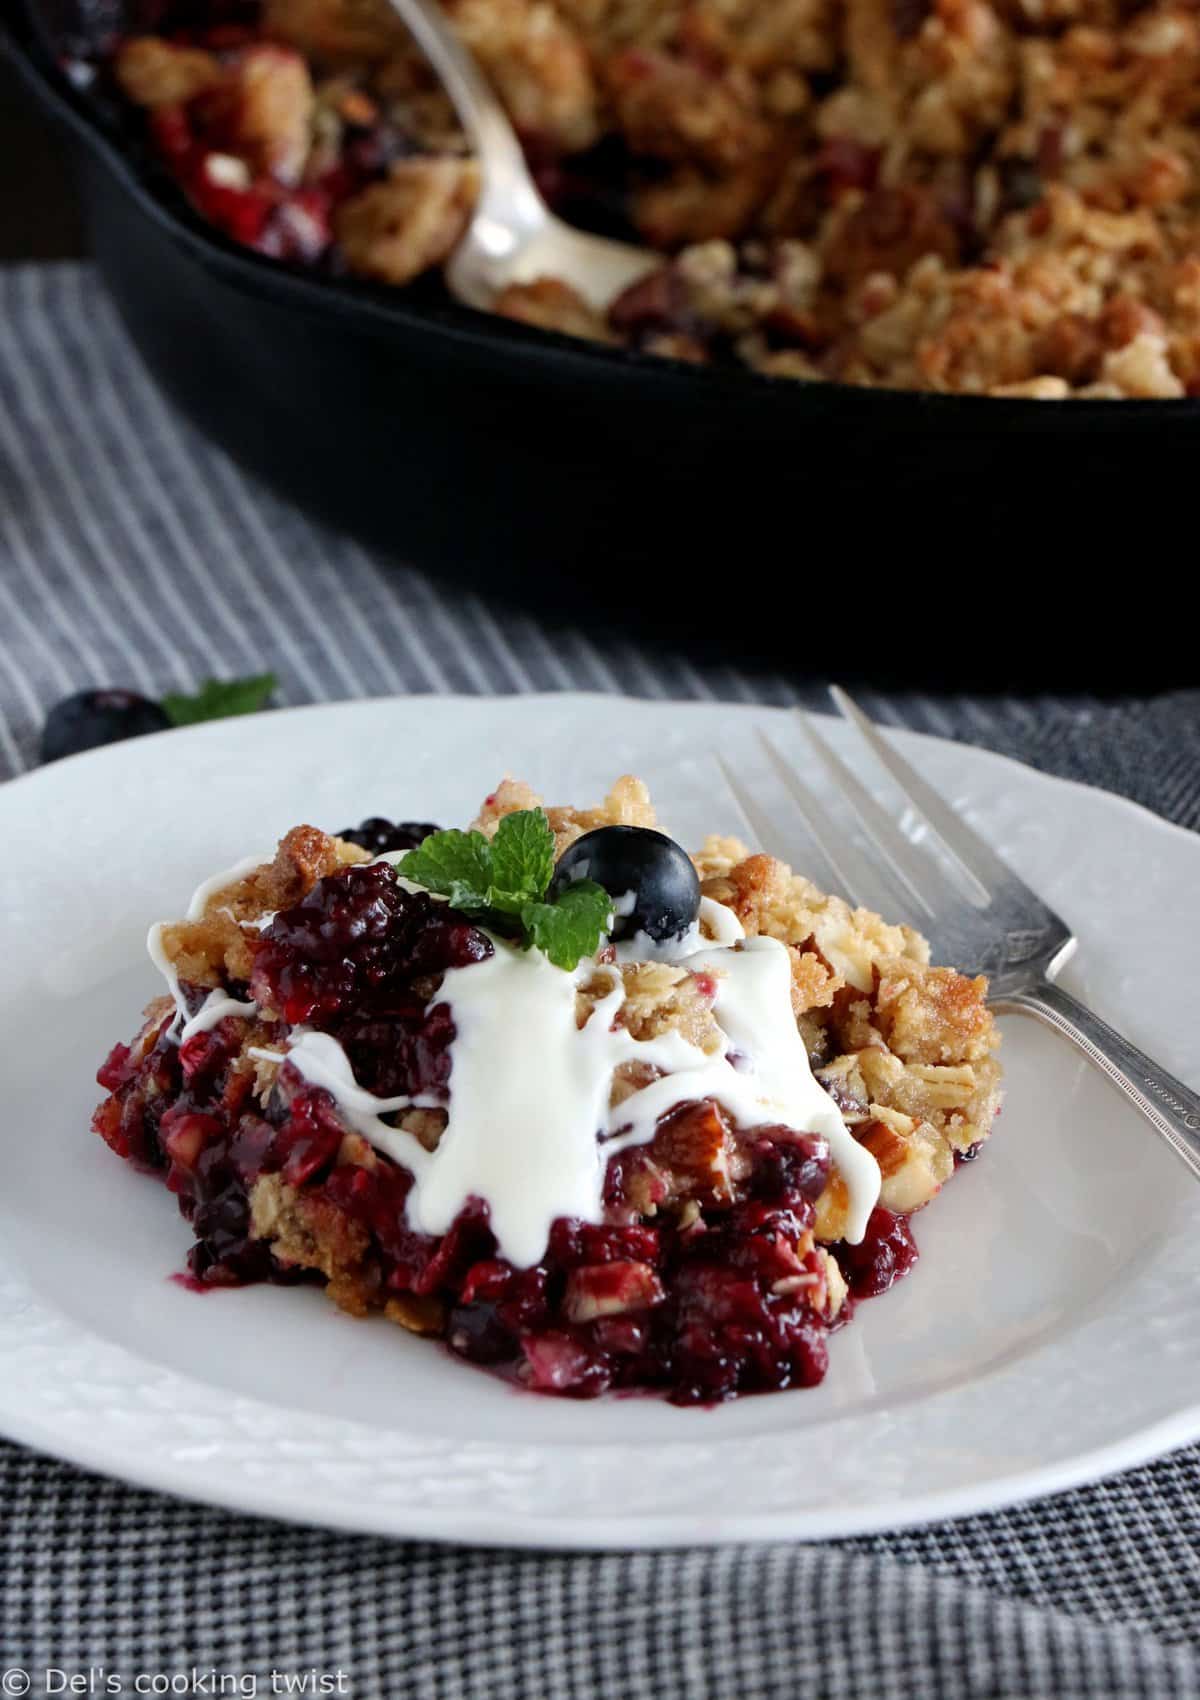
(336, 32)
(275, 105)
(933, 1015)
(153, 72)
(539, 65)
(552, 305)
(627, 804)
(661, 997)
(307, 1233)
(411, 220)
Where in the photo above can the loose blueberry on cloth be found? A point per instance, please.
(89, 719)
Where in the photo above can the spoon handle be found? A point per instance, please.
(513, 237)
(482, 116)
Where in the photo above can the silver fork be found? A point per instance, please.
(982, 918)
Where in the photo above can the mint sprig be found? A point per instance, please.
(503, 882)
(218, 699)
(522, 855)
(457, 865)
(571, 928)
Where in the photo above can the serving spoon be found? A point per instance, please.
(513, 236)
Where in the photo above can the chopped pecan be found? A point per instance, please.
(610, 1289)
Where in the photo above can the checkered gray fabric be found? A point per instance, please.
(132, 553)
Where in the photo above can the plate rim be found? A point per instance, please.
(661, 1531)
(205, 728)
(494, 1526)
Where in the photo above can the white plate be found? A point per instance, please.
(1048, 1333)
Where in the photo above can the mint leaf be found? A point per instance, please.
(217, 699)
(498, 875)
(457, 865)
(572, 927)
(522, 859)
(501, 883)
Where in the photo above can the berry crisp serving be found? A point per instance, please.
(595, 1113)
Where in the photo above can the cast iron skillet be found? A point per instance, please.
(907, 536)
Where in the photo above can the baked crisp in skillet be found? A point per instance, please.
(979, 196)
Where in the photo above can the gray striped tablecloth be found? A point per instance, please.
(132, 553)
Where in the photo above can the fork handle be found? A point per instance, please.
(1171, 1108)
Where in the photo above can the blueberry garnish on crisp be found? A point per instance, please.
(651, 879)
(89, 719)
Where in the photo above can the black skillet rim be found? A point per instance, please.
(499, 342)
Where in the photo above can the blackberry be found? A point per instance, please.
(380, 836)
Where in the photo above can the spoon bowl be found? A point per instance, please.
(513, 236)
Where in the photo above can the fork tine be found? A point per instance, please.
(979, 863)
(764, 828)
(772, 840)
(902, 861)
(854, 874)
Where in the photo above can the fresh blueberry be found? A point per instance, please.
(648, 868)
(91, 718)
(379, 835)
